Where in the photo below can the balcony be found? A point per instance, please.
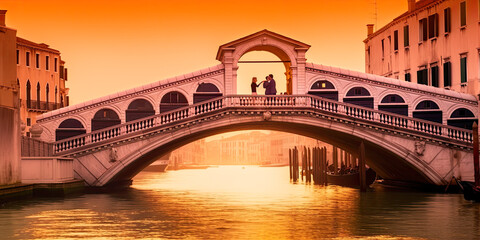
(41, 106)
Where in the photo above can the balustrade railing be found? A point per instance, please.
(268, 102)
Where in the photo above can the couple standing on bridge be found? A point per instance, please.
(268, 84)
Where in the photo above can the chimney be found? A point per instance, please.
(2, 17)
(369, 29)
(411, 5)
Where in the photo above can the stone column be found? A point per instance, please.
(230, 72)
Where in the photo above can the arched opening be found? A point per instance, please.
(139, 108)
(29, 94)
(359, 96)
(428, 110)
(105, 118)
(69, 128)
(260, 63)
(206, 91)
(38, 96)
(324, 89)
(47, 90)
(393, 103)
(462, 118)
(172, 101)
(376, 149)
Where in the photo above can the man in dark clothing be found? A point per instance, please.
(271, 86)
(265, 85)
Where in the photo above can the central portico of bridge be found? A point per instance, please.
(412, 132)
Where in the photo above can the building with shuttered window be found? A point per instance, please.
(435, 43)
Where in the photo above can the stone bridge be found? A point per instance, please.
(412, 132)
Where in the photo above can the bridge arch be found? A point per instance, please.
(359, 95)
(402, 162)
(69, 128)
(205, 91)
(462, 118)
(104, 118)
(139, 108)
(172, 100)
(323, 88)
(428, 110)
(394, 103)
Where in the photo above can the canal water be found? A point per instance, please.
(235, 202)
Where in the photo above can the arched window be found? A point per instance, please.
(105, 118)
(462, 118)
(69, 128)
(428, 110)
(38, 95)
(359, 96)
(172, 100)
(29, 94)
(56, 91)
(206, 91)
(47, 90)
(324, 89)
(393, 103)
(139, 108)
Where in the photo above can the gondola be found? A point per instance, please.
(350, 179)
(470, 191)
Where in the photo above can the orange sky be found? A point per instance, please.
(115, 45)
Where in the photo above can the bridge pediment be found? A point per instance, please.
(263, 38)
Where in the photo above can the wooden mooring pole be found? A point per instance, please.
(361, 169)
(476, 166)
(290, 164)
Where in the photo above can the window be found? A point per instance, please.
(434, 76)
(463, 69)
(18, 56)
(395, 40)
(408, 78)
(27, 59)
(55, 63)
(37, 60)
(29, 122)
(433, 26)
(406, 38)
(423, 29)
(448, 21)
(463, 14)
(447, 74)
(61, 72)
(47, 62)
(422, 76)
(383, 48)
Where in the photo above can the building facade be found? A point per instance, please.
(435, 43)
(41, 76)
(9, 107)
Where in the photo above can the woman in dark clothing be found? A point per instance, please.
(254, 85)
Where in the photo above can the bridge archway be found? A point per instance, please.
(359, 96)
(291, 52)
(428, 110)
(172, 100)
(139, 108)
(105, 118)
(324, 89)
(69, 128)
(401, 164)
(462, 118)
(206, 91)
(394, 103)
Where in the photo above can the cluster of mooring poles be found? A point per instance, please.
(315, 164)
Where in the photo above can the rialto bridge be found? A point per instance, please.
(411, 132)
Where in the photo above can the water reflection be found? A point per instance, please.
(236, 203)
